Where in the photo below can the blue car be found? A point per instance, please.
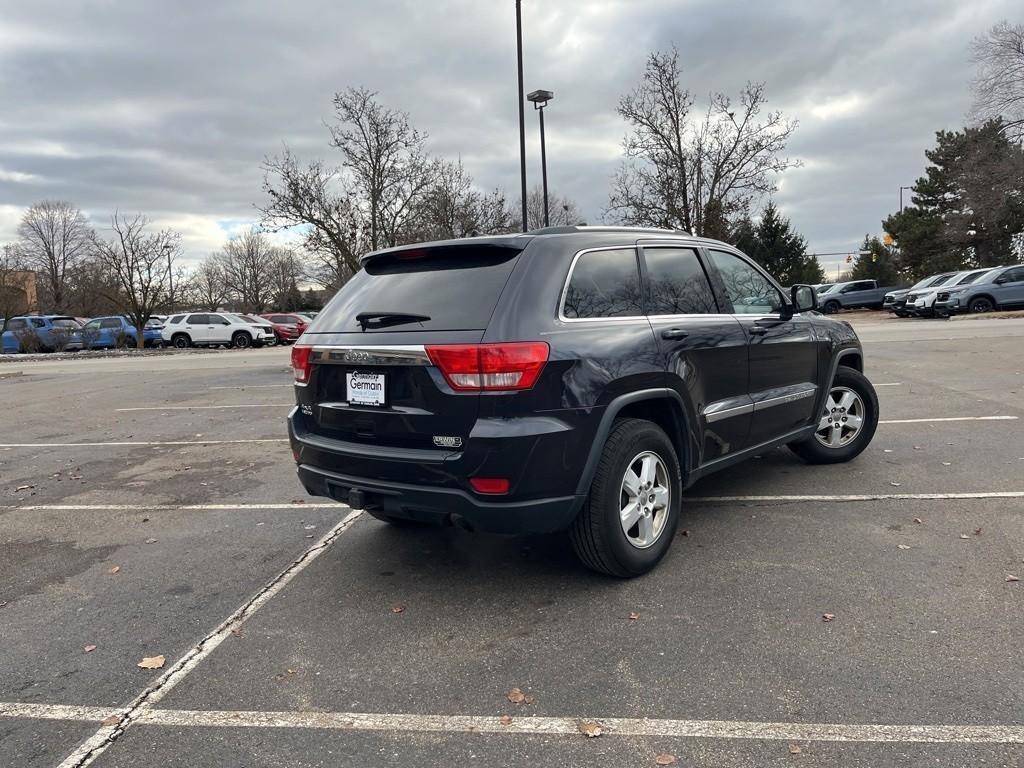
(115, 330)
(52, 331)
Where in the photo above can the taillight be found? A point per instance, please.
(301, 365)
(490, 367)
(492, 486)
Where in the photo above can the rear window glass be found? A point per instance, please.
(456, 288)
(604, 284)
(65, 322)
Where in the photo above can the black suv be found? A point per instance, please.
(572, 378)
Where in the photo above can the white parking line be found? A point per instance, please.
(204, 407)
(144, 442)
(169, 507)
(98, 743)
(525, 726)
(891, 384)
(860, 497)
(950, 418)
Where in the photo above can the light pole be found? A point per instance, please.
(167, 248)
(522, 107)
(901, 197)
(540, 99)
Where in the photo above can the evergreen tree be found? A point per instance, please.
(875, 262)
(775, 246)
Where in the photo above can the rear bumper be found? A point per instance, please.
(541, 459)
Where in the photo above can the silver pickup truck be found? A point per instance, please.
(855, 294)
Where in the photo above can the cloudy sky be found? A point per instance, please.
(169, 107)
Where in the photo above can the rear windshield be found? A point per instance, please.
(66, 322)
(457, 288)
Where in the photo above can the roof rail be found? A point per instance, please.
(572, 228)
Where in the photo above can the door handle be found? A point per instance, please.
(758, 330)
(674, 333)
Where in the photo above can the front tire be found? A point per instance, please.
(241, 340)
(831, 307)
(181, 341)
(847, 422)
(981, 304)
(630, 516)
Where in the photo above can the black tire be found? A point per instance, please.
(597, 535)
(981, 304)
(831, 307)
(813, 451)
(181, 341)
(241, 340)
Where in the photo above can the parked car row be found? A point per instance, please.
(854, 294)
(970, 290)
(48, 333)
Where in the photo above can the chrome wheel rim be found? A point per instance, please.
(842, 419)
(644, 499)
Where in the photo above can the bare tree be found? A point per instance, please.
(206, 286)
(248, 263)
(386, 158)
(317, 199)
(453, 207)
(561, 210)
(285, 275)
(693, 173)
(999, 80)
(139, 264)
(54, 237)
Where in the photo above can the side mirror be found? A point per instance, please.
(804, 297)
(1001, 279)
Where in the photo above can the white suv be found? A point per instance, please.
(213, 328)
(922, 303)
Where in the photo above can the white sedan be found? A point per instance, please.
(214, 328)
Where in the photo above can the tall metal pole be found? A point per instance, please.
(170, 277)
(544, 169)
(522, 111)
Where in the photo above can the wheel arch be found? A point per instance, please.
(990, 297)
(662, 406)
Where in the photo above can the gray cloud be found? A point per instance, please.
(169, 108)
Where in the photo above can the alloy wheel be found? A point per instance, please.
(644, 499)
(842, 419)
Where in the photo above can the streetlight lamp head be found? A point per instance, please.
(540, 98)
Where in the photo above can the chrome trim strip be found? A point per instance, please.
(376, 354)
(568, 279)
(760, 405)
(722, 410)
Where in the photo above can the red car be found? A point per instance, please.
(287, 327)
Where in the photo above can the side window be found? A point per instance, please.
(216, 320)
(197, 320)
(1014, 275)
(16, 325)
(678, 285)
(110, 322)
(93, 325)
(176, 319)
(38, 323)
(747, 289)
(604, 284)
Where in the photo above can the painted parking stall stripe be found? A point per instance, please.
(950, 418)
(145, 443)
(98, 743)
(203, 407)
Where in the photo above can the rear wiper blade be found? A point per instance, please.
(386, 319)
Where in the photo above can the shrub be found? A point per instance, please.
(122, 339)
(61, 338)
(89, 337)
(28, 340)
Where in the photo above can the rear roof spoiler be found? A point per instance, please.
(510, 242)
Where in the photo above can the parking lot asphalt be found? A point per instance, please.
(149, 507)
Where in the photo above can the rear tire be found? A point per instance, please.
(831, 307)
(851, 396)
(181, 341)
(638, 456)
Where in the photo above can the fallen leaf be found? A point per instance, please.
(590, 730)
(505, 719)
(236, 632)
(528, 699)
(665, 759)
(917, 447)
(151, 541)
(115, 569)
(397, 608)
(918, 520)
(947, 463)
(902, 546)
(633, 616)
(1010, 577)
(151, 662)
(977, 531)
(89, 649)
(112, 720)
(684, 532)
(895, 484)
(964, 536)
(794, 749)
(24, 488)
(516, 696)
(888, 450)
(827, 616)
